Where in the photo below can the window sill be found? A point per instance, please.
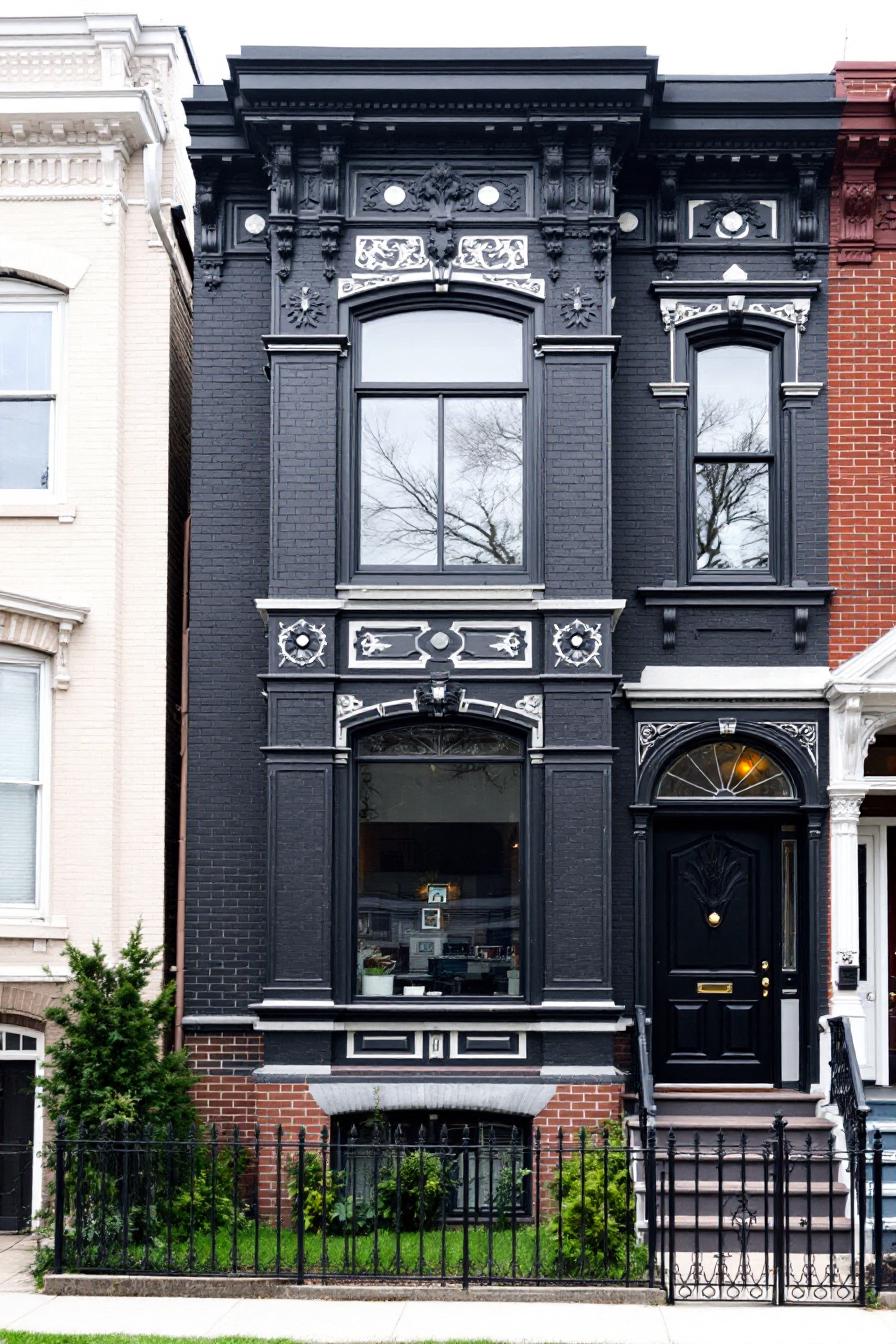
(62, 511)
(21, 927)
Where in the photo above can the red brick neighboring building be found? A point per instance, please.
(862, 694)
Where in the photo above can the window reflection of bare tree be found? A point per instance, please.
(482, 509)
(732, 495)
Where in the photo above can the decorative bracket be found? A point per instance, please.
(553, 222)
(666, 255)
(210, 254)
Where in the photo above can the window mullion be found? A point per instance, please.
(440, 559)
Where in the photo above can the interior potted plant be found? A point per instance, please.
(377, 975)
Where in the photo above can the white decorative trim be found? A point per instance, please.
(351, 711)
(402, 258)
(804, 734)
(510, 1098)
(454, 1042)
(391, 252)
(650, 734)
(807, 390)
(697, 684)
(301, 643)
(666, 390)
(576, 644)
(377, 643)
(676, 312)
(45, 627)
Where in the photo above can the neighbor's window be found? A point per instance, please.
(28, 391)
(20, 780)
(440, 423)
(733, 460)
(438, 904)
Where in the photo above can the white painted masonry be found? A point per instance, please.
(91, 128)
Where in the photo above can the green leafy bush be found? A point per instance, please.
(593, 1233)
(414, 1190)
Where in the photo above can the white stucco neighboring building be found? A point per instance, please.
(96, 208)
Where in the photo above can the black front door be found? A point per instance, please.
(16, 1143)
(712, 936)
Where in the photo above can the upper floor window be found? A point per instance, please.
(733, 459)
(441, 442)
(29, 376)
(21, 778)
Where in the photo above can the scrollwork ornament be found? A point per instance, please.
(649, 734)
(305, 306)
(577, 644)
(301, 643)
(578, 307)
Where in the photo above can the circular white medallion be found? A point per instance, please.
(395, 194)
(627, 222)
(254, 224)
(733, 222)
(488, 195)
(440, 640)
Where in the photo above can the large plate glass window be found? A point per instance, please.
(440, 434)
(28, 388)
(438, 881)
(733, 460)
(20, 781)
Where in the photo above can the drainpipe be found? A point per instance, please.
(152, 188)
(180, 936)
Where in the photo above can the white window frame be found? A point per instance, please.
(17, 296)
(16, 911)
(37, 1054)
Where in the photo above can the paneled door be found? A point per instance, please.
(16, 1143)
(713, 1017)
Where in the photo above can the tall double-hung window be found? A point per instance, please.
(733, 460)
(29, 386)
(22, 777)
(441, 443)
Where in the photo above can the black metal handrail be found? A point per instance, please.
(847, 1089)
(644, 1075)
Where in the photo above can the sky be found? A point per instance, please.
(689, 36)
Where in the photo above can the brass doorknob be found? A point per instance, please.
(765, 982)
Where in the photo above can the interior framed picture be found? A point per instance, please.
(437, 893)
(430, 919)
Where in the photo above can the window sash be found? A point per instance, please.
(22, 790)
(50, 393)
(441, 397)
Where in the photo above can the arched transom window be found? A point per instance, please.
(724, 770)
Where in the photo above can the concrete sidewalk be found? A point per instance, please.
(369, 1322)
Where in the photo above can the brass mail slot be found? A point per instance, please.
(715, 987)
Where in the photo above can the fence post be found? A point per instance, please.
(779, 1172)
(862, 1181)
(877, 1178)
(670, 1163)
(466, 1208)
(59, 1221)
(650, 1182)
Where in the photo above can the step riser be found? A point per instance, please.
(753, 1171)
(707, 1206)
(707, 1243)
(684, 1106)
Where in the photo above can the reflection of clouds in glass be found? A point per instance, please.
(480, 497)
(732, 399)
(442, 347)
(732, 515)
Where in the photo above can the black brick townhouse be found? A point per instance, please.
(509, 582)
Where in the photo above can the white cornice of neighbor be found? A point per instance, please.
(48, 117)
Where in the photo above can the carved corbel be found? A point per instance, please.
(805, 231)
(438, 698)
(331, 219)
(210, 252)
(552, 222)
(281, 166)
(440, 188)
(666, 255)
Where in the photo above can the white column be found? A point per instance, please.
(845, 807)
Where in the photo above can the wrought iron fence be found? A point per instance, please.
(760, 1216)
(373, 1205)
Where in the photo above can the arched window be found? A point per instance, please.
(724, 771)
(733, 459)
(440, 442)
(438, 878)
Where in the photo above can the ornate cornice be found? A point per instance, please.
(863, 189)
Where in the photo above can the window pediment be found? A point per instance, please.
(46, 627)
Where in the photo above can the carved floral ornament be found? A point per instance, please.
(405, 258)
(734, 308)
(803, 734)
(306, 306)
(437, 698)
(301, 643)
(576, 644)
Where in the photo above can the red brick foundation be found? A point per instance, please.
(224, 1090)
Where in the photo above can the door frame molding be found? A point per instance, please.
(873, 831)
(37, 1056)
(809, 809)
